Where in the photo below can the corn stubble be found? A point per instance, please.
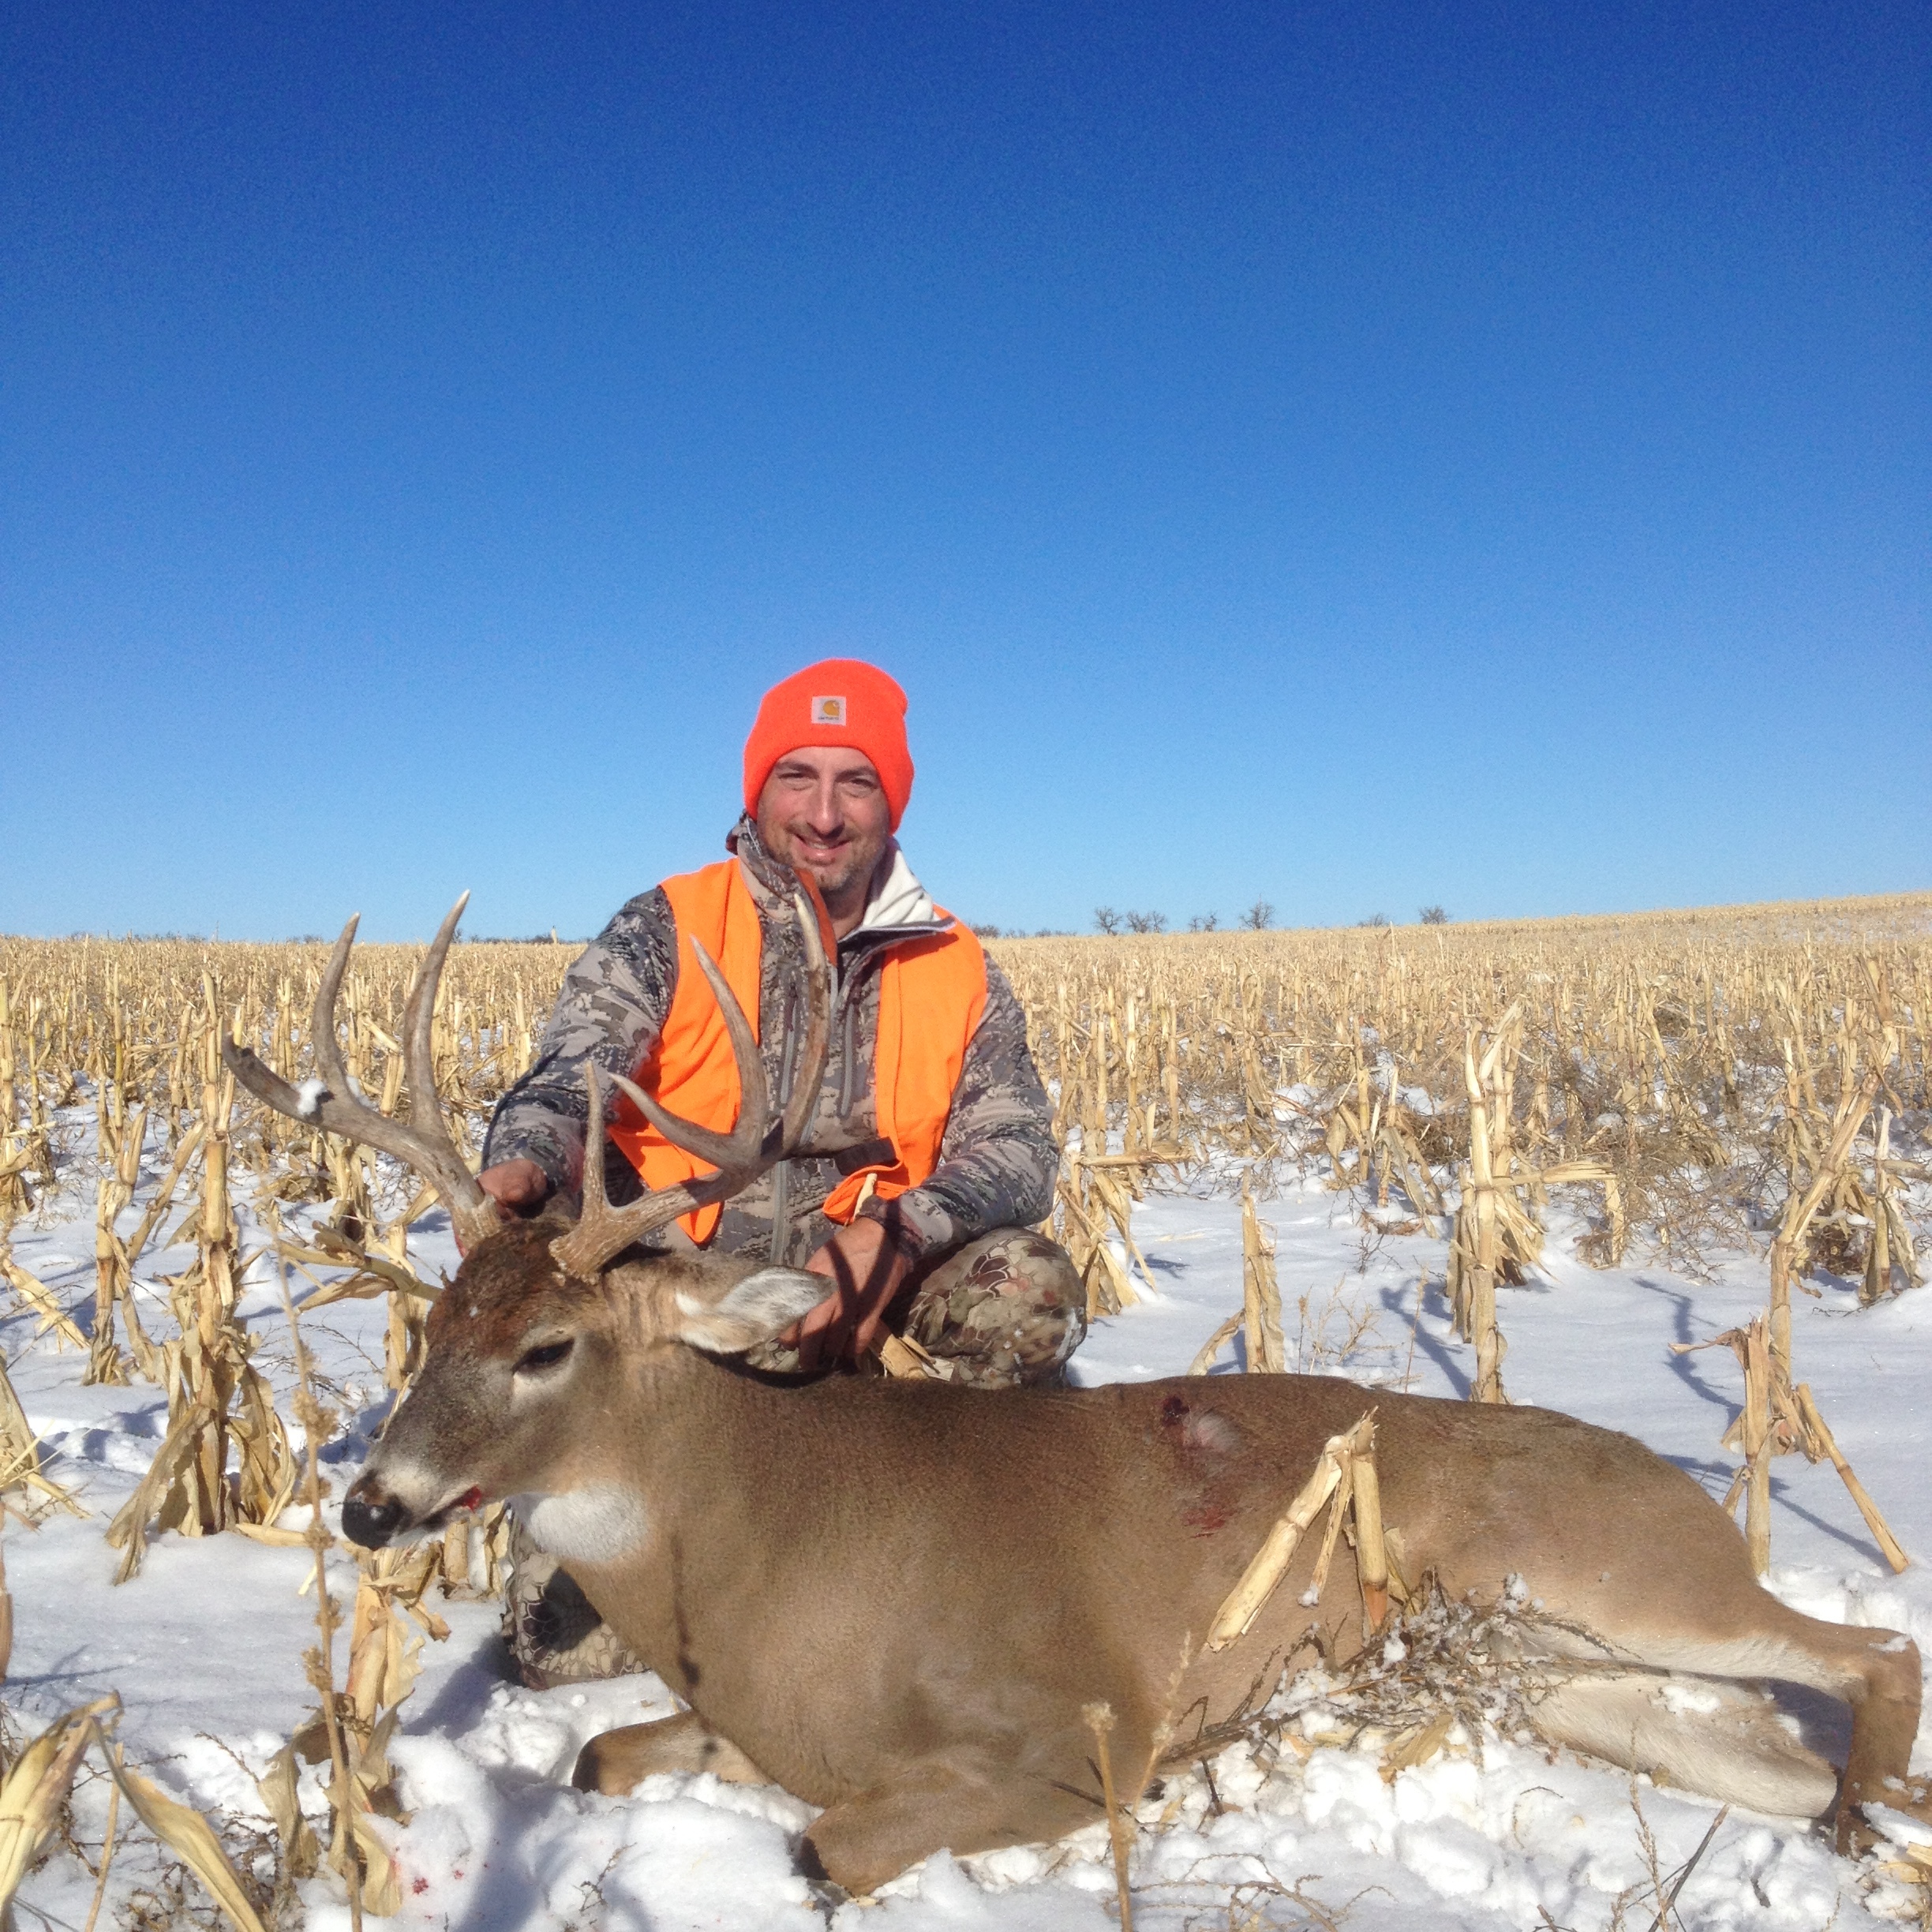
(128, 1034)
(1686, 1083)
(33, 1796)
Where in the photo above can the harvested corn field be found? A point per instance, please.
(1514, 1162)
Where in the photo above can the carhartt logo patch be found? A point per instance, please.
(828, 710)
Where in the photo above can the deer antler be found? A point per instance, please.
(753, 1145)
(424, 1144)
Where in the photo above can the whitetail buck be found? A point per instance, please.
(896, 1599)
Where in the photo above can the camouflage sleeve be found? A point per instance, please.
(613, 1002)
(998, 1158)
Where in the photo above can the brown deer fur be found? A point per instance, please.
(896, 1599)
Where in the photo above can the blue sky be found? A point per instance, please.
(1362, 456)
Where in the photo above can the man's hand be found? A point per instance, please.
(867, 1268)
(518, 1186)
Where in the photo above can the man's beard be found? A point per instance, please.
(853, 866)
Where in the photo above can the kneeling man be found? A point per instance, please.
(920, 1226)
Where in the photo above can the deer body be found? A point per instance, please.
(914, 1645)
(901, 1600)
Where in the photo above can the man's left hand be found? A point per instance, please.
(867, 1268)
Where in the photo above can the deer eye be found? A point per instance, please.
(546, 1355)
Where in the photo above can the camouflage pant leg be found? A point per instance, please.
(1005, 1312)
(553, 1633)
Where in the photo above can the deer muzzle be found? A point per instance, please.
(371, 1518)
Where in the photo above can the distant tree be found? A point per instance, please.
(1433, 916)
(1374, 918)
(1106, 920)
(1147, 922)
(987, 931)
(1259, 917)
(1205, 922)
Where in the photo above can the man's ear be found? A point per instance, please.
(758, 1307)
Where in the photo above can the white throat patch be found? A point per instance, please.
(599, 1524)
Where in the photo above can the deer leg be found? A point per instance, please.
(863, 1841)
(1875, 1672)
(1885, 1719)
(1721, 1739)
(620, 1761)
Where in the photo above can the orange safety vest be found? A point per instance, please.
(932, 992)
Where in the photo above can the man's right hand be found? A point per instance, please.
(516, 1186)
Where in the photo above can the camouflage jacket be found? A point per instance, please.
(997, 1159)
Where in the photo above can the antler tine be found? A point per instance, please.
(602, 1231)
(322, 1043)
(595, 1202)
(744, 1147)
(427, 1151)
(419, 1019)
(803, 1097)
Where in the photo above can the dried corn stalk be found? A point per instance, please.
(20, 1473)
(1339, 1483)
(1204, 1360)
(352, 1729)
(1261, 1312)
(1891, 1257)
(220, 1405)
(37, 1786)
(1095, 1196)
(16, 1152)
(16, 1160)
(1488, 1215)
(904, 1357)
(113, 1286)
(54, 1319)
(1819, 1440)
(1777, 1420)
(1789, 1245)
(381, 1268)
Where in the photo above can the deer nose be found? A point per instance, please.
(370, 1523)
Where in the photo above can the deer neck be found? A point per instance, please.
(718, 1469)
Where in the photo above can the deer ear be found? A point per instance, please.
(750, 1312)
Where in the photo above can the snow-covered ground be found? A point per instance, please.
(205, 1645)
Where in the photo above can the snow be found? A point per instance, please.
(205, 1645)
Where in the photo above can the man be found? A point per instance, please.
(920, 1227)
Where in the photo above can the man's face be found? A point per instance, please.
(823, 811)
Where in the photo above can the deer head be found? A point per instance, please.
(547, 1318)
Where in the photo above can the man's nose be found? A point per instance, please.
(823, 812)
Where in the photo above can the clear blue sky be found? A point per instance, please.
(1358, 454)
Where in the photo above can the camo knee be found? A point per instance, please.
(553, 1631)
(1005, 1312)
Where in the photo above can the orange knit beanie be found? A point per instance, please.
(840, 702)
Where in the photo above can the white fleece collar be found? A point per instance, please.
(898, 900)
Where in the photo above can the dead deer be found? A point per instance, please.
(898, 1600)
